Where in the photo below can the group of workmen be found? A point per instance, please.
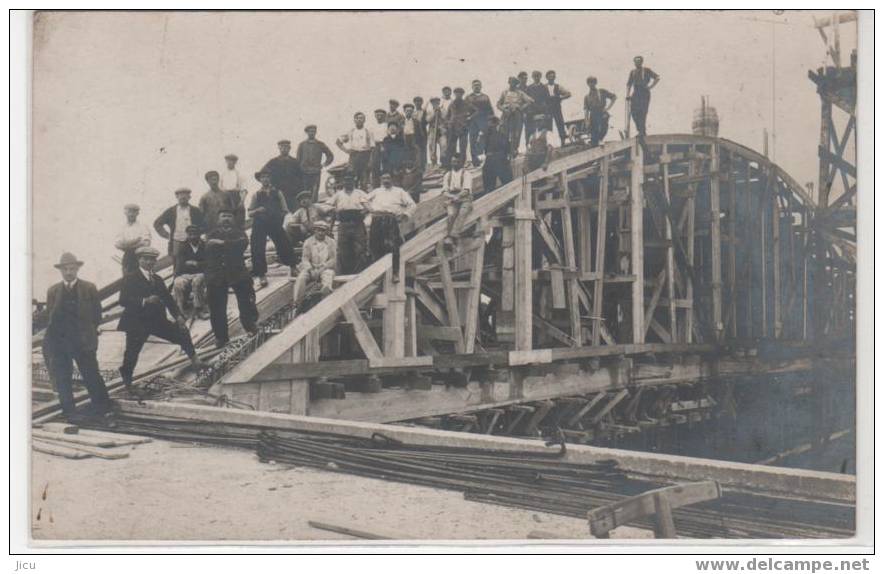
(207, 242)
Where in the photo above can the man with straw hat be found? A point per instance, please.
(74, 310)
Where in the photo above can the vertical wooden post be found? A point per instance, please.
(689, 241)
(450, 295)
(599, 269)
(715, 240)
(670, 252)
(732, 252)
(571, 262)
(394, 314)
(762, 219)
(505, 319)
(471, 309)
(523, 284)
(775, 245)
(636, 244)
(748, 253)
(664, 526)
(410, 326)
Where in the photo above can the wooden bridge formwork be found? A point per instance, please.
(665, 262)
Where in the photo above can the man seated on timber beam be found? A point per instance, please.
(456, 189)
(317, 262)
(226, 269)
(74, 310)
(388, 205)
(145, 300)
(299, 223)
(190, 265)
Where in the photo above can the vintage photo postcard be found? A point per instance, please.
(341, 277)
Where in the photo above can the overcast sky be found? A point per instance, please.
(130, 106)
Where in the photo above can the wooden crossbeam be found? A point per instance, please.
(450, 295)
(363, 334)
(571, 261)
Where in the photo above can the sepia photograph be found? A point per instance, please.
(431, 277)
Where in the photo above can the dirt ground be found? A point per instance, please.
(170, 491)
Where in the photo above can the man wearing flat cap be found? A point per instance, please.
(130, 237)
(74, 310)
(216, 199)
(318, 261)
(145, 300)
(299, 224)
(460, 114)
(310, 156)
(232, 181)
(190, 266)
(267, 209)
(225, 270)
(437, 135)
(378, 133)
(173, 222)
(285, 173)
(513, 103)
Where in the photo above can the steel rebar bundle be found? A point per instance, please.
(543, 482)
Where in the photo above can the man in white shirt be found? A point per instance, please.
(358, 144)
(318, 259)
(456, 189)
(388, 205)
(232, 181)
(133, 235)
(557, 93)
(378, 133)
(350, 206)
(446, 101)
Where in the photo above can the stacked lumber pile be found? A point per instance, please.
(70, 441)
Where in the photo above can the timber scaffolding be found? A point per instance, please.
(620, 288)
(682, 261)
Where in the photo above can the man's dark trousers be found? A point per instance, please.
(496, 168)
(162, 328)
(639, 103)
(61, 364)
(261, 230)
(216, 295)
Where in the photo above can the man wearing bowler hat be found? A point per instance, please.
(74, 310)
(173, 222)
(145, 300)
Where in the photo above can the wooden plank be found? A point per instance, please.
(732, 247)
(364, 337)
(302, 325)
(636, 244)
(573, 420)
(609, 406)
(574, 289)
(670, 254)
(428, 300)
(659, 283)
(411, 326)
(56, 449)
(394, 314)
(100, 442)
(471, 314)
(557, 287)
(400, 362)
(775, 264)
(523, 265)
(91, 451)
(450, 295)
(350, 531)
(715, 247)
(623, 512)
(690, 220)
(601, 234)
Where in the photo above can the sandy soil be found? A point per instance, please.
(169, 491)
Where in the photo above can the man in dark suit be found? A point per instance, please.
(145, 300)
(226, 269)
(74, 310)
(172, 223)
